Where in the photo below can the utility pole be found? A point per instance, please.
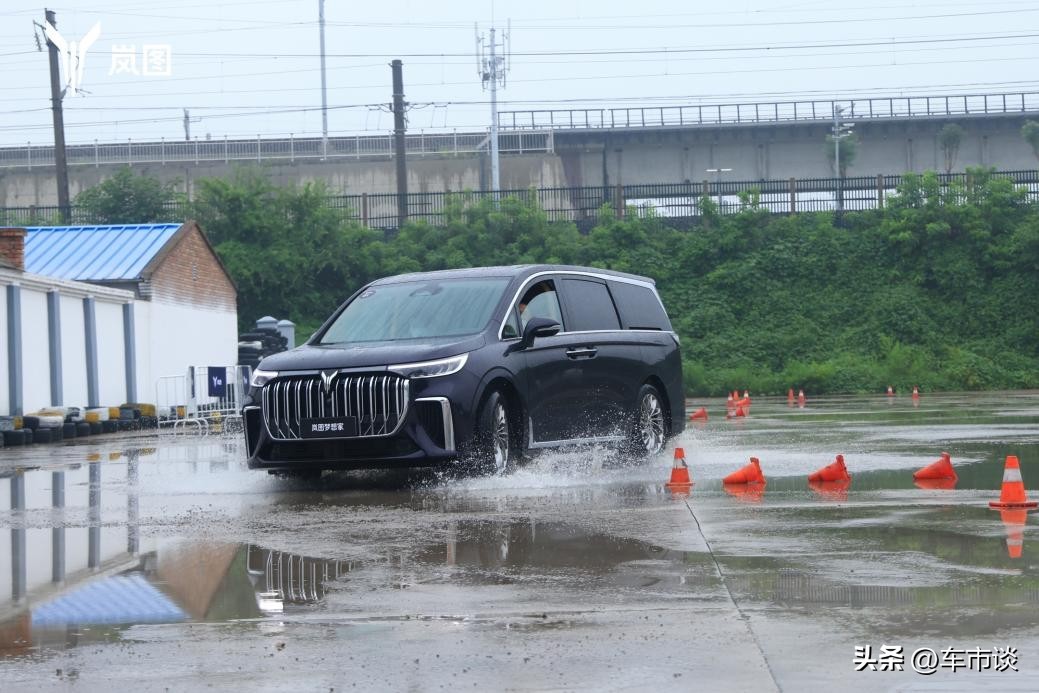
(61, 168)
(718, 183)
(493, 69)
(840, 131)
(324, 93)
(187, 126)
(398, 142)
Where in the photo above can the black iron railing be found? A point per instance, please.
(582, 204)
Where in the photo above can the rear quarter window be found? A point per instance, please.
(639, 307)
(589, 306)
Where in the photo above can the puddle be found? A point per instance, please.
(97, 540)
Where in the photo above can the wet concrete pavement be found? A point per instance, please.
(150, 563)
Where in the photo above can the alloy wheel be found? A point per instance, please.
(651, 424)
(500, 438)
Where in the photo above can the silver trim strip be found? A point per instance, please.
(448, 419)
(533, 445)
(577, 441)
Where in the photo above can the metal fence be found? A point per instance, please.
(273, 149)
(584, 204)
(962, 105)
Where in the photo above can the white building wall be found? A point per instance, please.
(142, 312)
(169, 337)
(36, 380)
(183, 336)
(111, 353)
(5, 405)
(73, 354)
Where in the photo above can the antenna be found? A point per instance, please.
(492, 69)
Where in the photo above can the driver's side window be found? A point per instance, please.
(540, 301)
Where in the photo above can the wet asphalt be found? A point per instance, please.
(158, 562)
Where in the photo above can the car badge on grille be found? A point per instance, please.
(326, 381)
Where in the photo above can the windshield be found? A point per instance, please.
(417, 310)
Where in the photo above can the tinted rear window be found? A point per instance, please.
(639, 307)
(589, 306)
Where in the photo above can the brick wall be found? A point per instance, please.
(12, 246)
(191, 275)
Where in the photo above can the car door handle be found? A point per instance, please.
(585, 352)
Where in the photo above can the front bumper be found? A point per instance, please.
(426, 437)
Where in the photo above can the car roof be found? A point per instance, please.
(509, 271)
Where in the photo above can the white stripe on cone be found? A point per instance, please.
(1012, 474)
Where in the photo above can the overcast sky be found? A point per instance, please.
(248, 67)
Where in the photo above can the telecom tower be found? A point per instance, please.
(492, 59)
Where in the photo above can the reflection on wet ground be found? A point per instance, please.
(104, 539)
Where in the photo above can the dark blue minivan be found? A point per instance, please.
(475, 366)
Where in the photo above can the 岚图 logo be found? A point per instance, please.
(73, 55)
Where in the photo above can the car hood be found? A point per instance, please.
(369, 354)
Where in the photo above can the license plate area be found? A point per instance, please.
(338, 427)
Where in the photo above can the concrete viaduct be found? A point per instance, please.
(571, 148)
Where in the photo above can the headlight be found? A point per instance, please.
(431, 369)
(261, 378)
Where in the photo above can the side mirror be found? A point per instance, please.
(538, 327)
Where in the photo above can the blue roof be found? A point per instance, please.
(116, 599)
(94, 253)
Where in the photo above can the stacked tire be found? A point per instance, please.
(254, 346)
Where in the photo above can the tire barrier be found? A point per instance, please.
(15, 437)
(56, 424)
(259, 343)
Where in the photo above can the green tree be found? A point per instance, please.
(949, 139)
(128, 198)
(288, 251)
(1030, 132)
(939, 289)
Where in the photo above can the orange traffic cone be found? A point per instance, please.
(790, 397)
(1013, 494)
(1014, 523)
(739, 410)
(890, 391)
(831, 490)
(835, 471)
(699, 414)
(730, 403)
(800, 398)
(749, 474)
(746, 396)
(680, 480)
(916, 392)
(942, 469)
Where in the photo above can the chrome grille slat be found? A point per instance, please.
(378, 402)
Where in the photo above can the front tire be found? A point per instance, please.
(649, 432)
(494, 451)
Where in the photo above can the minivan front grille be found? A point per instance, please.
(379, 403)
